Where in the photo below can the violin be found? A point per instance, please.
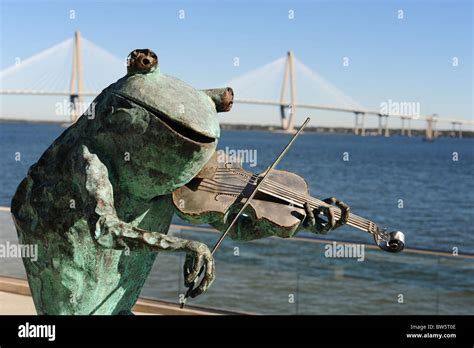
(272, 201)
(223, 187)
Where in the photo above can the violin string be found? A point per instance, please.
(301, 198)
(215, 187)
(317, 203)
(352, 217)
(361, 222)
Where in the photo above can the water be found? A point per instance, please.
(400, 183)
(437, 193)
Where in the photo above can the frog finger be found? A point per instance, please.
(188, 268)
(207, 279)
(330, 200)
(344, 212)
(198, 261)
(310, 221)
(328, 213)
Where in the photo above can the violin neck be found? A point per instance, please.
(299, 199)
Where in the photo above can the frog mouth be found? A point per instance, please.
(179, 128)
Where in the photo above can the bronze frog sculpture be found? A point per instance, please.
(98, 202)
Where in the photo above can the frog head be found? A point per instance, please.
(154, 131)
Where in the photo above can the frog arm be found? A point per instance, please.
(112, 233)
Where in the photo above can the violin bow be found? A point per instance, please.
(247, 202)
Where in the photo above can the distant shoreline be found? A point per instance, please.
(276, 129)
(341, 130)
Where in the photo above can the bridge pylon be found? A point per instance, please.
(359, 126)
(457, 125)
(76, 86)
(431, 131)
(383, 126)
(287, 121)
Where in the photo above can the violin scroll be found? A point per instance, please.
(394, 242)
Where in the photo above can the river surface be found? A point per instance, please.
(424, 189)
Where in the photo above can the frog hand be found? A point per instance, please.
(198, 256)
(314, 223)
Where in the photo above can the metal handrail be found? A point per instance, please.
(318, 240)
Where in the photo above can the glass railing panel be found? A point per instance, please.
(9, 266)
(295, 276)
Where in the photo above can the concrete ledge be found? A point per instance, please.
(14, 304)
(15, 299)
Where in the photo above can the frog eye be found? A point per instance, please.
(141, 61)
(223, 98)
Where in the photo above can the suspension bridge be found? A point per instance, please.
(78, 70)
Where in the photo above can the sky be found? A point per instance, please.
(394, 56)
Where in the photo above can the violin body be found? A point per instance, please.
(220, 190)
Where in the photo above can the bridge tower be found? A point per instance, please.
(287, 121)
(76, 86)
